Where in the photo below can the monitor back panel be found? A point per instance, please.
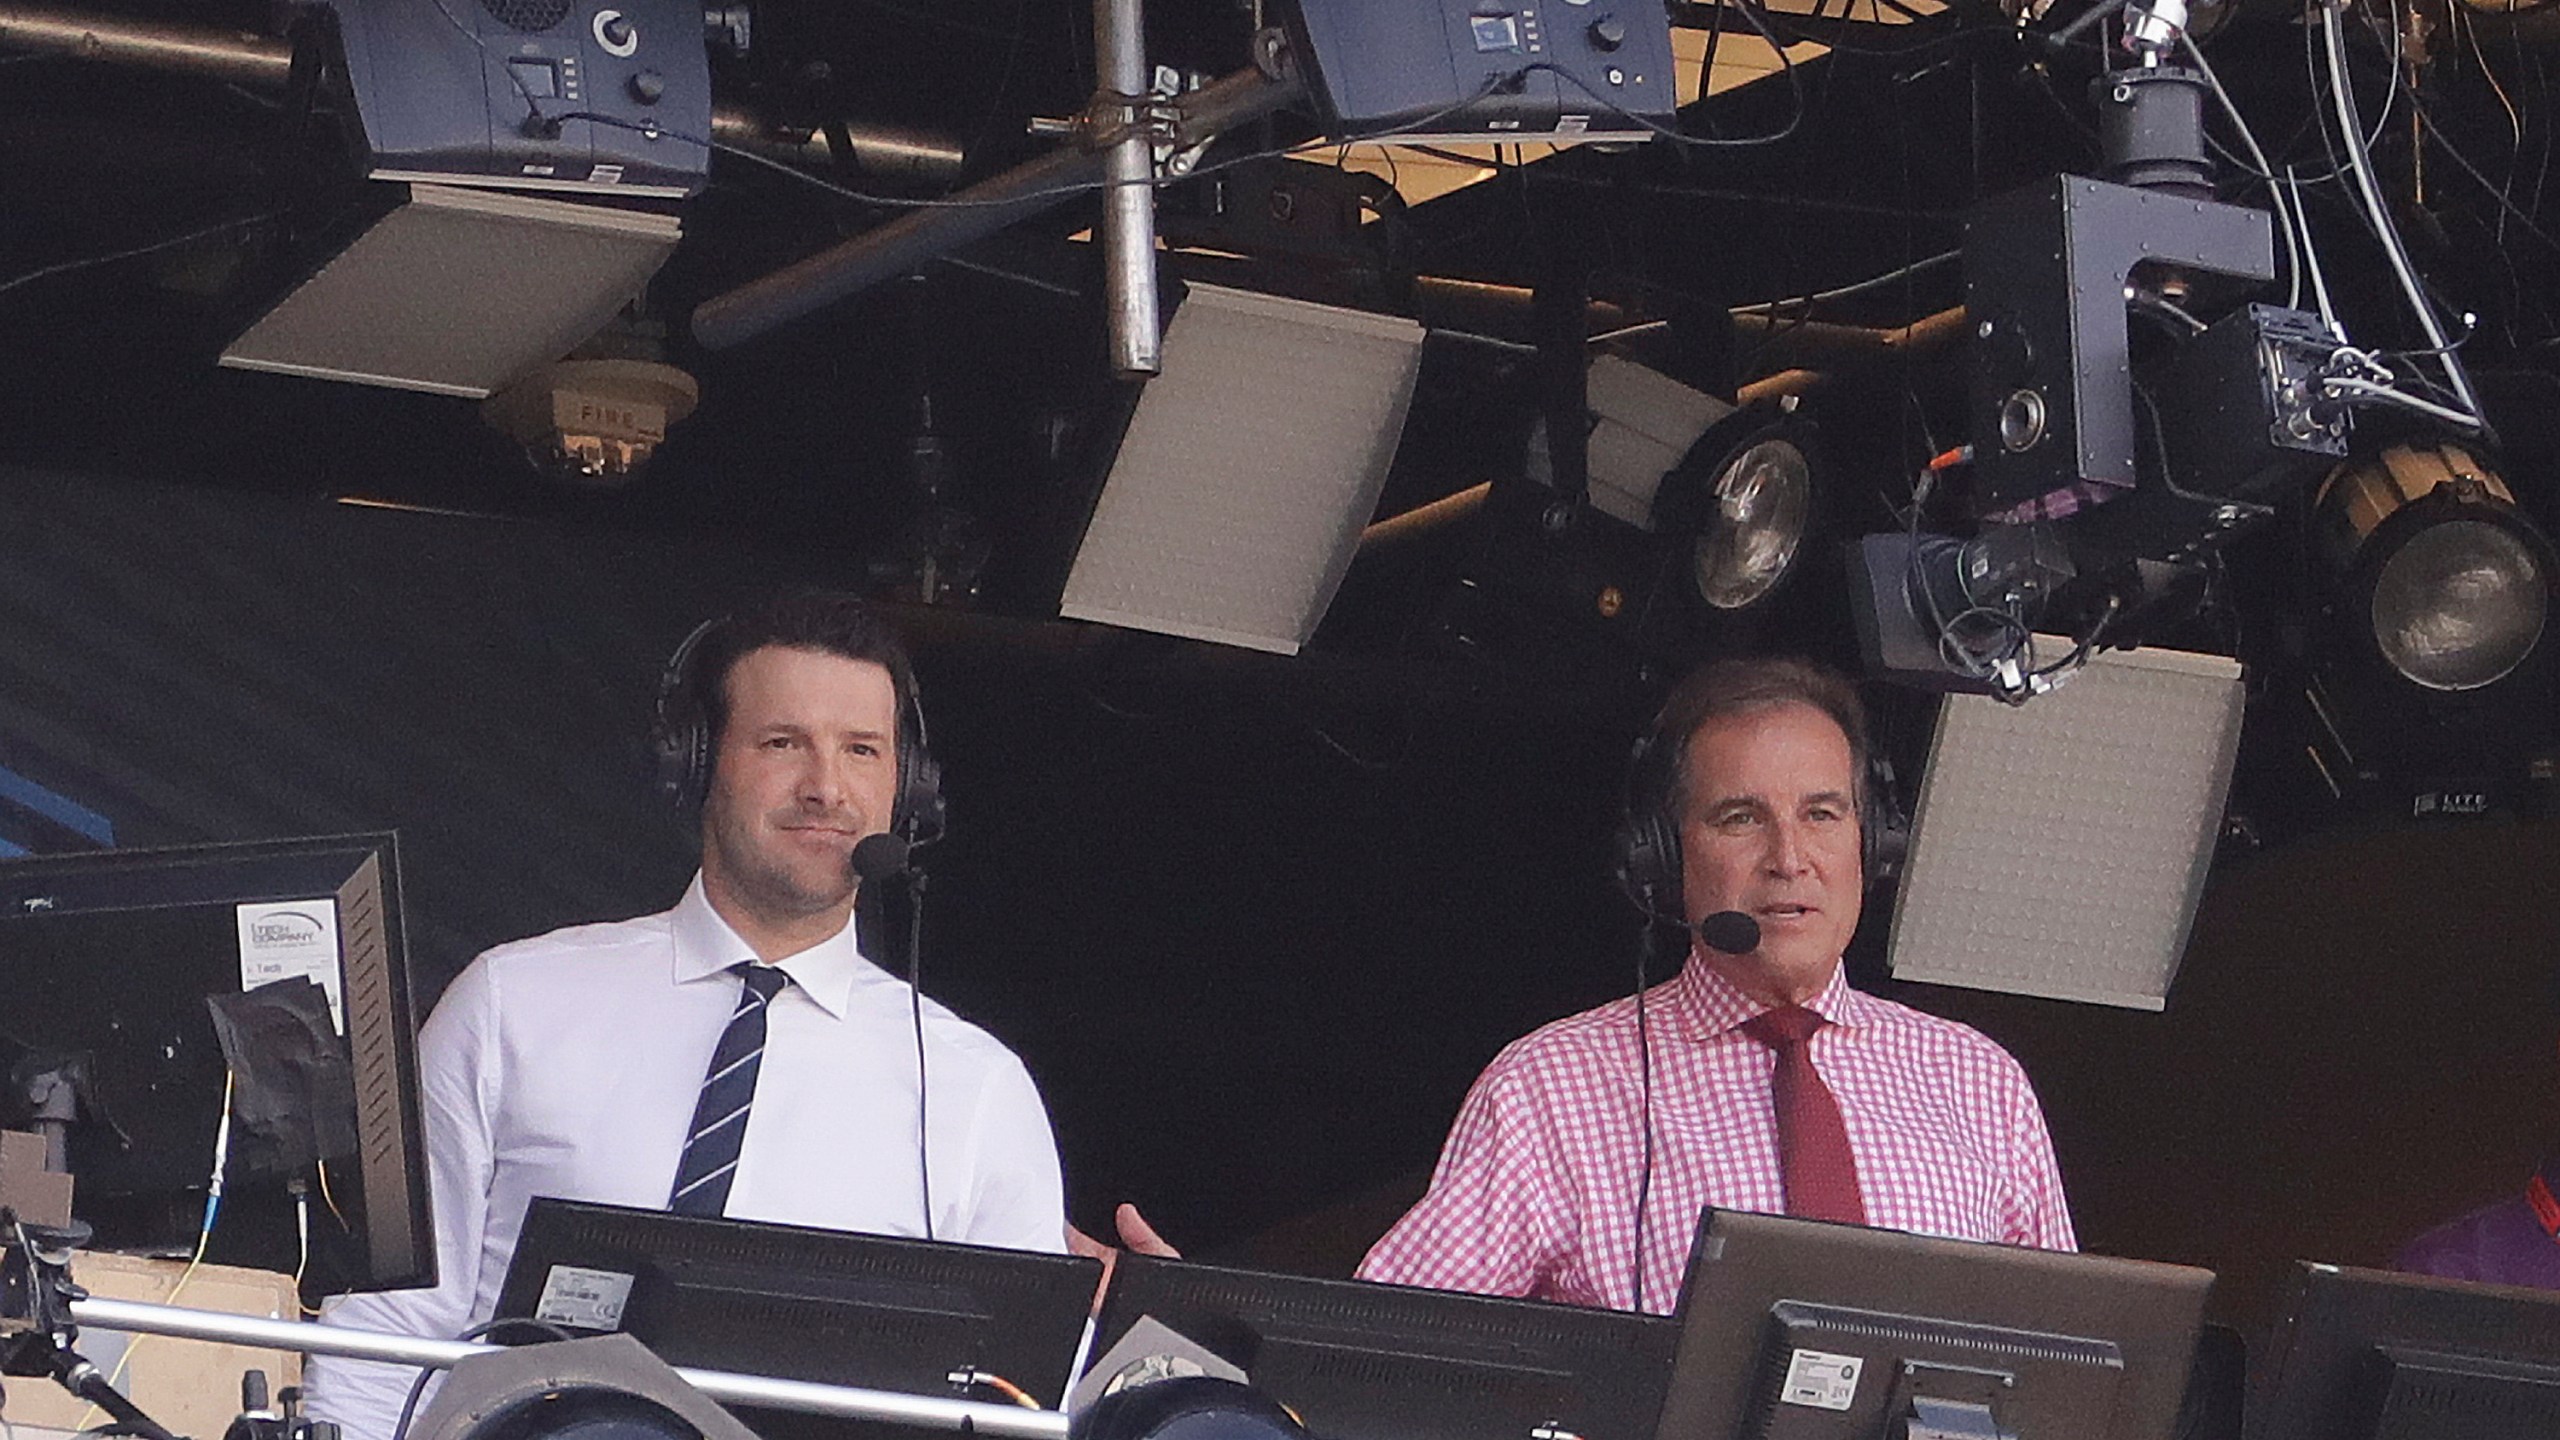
(1380, 1362)
(1744, 1266)
(798, 1303)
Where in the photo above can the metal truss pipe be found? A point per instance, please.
(907, 243)
(918, 157)
(1008, 1422)
(921, 158)
(170, 46)
(1134, 326)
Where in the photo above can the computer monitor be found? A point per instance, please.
(2372, 1355)
(144, 992)
(1385, 1362)
(1807, 1330)
(797, 1303)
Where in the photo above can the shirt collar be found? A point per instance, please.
(1706, 1004)
(705, 946)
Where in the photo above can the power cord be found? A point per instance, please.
(418, 1387)
(915, 1012)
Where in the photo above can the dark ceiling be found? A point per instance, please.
(991, 362)
(805, 432)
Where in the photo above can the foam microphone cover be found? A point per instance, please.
(1728, 931)
(880, 857)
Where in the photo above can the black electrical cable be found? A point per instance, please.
(2377, 214)
(1857, 287)
(1788, 33)
(1787, 66)
(2082, 23)
(157, 245)
(2523, 217)
(1491, 86)
(418, 1387)
(915, 1011)
(1644, 1088)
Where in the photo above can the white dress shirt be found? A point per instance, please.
(568, 1065)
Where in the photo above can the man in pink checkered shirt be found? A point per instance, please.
(1757, 768)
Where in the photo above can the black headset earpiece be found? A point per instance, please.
(679, 733)
(1647, 845)
(680, 746)
(1884, 827)
(920, 817)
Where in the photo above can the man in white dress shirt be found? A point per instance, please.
(571, 1064)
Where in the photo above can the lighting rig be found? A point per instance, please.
(2110, 472)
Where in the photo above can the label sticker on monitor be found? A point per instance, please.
(282, 939)
(1825, 1382)
(583, 1299)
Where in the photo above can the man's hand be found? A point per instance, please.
(1135, 1233)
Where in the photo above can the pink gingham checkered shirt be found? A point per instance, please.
(1536, 1190)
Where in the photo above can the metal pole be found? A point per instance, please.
(894, 152)
(1129, 204)
(1011, 1422)
(148, 44)
(910, 241)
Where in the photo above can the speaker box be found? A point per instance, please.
(477, 92)
(1489, 69)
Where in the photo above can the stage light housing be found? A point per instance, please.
(2451, 581)
(1735, 486)
(1759, 502)
(2059, 849)
(1237, 495)
(608, 1387)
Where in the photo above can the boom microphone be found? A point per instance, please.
(882, 857)
(1728, 931)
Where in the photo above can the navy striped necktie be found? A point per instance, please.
(720, 1117)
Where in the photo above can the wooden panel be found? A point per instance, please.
(191, 1386)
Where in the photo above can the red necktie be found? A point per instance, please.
(1813, 1145)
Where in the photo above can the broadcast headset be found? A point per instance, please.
(680, 738)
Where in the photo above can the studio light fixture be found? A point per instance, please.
(1744, 494)
(1691, 517)
(458, 291)
(2059, 849)
(1735, 487)
(608, 1387)
(1248, 469)
(2448, 579)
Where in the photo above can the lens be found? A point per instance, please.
(1760, 502)
(2459, 605)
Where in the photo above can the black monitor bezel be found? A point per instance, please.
(592, 1235)
(1742, 1265)
(2335, 1317)
(381, 1005)
(1204, 1303)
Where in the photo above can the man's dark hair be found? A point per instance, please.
(1738, 686)
(833, 623)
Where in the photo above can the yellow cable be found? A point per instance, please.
(325, 1195)
(204, 1238)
